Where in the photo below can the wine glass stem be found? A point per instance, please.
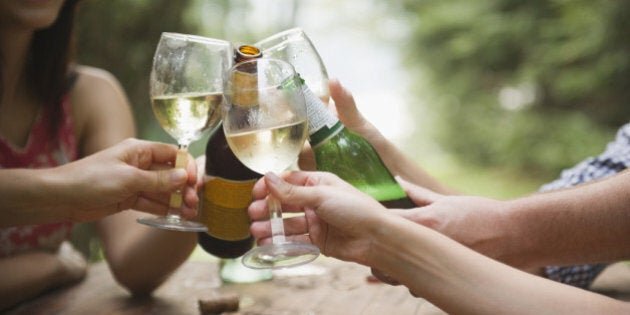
(277, 226)
(176, 200)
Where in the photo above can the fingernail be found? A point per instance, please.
(179, 175)
(273, 178)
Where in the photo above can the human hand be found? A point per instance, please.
(476, 222)
(480, 223)
(338, 218)
(134, 174)
(347, 111)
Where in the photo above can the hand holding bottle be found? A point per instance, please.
(396, 161)
(348, 113)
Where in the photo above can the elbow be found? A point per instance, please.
(141, 291)
(136, 284)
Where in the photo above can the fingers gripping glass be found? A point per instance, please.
(186, 90)
(264, 119)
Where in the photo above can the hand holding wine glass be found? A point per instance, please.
(264, 119)
(186, 90)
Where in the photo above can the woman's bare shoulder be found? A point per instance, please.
(90, 78)
(99, 103)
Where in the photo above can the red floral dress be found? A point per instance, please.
(39, 152)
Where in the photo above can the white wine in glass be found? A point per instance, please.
(186, 90)
(187, 116)
(270, 149)
(264, 119)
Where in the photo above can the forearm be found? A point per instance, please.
(24, 276)
(142, 258)
(461, 281)
(584, 224)
(31, 197)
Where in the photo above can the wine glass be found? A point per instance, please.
(265, 123)
(186, 90)
(294, 47)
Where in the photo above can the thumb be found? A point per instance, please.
(345, 105)
(419, 195)
(165, 180)
(285, 191)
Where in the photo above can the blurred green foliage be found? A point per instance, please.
(530, 85)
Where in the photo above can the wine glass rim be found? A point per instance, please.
(295, 30)
(275, 40)
(195, 38)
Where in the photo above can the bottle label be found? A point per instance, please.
(224, 209)
(322, 123)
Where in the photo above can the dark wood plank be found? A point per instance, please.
(327, 287)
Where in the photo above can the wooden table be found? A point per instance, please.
(333, 287)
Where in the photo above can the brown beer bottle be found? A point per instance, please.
(227, 191)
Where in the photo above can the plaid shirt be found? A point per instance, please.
(615, 159)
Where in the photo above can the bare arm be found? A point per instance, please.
(140, 258)
(39, 271)
(349, 225)
(30, 197)
(78, 191)
(461, 281)
(584, 224)
(588, 223)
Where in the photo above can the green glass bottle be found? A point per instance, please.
(349, 156)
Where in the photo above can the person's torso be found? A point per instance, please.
(40, 151)
(613, 160)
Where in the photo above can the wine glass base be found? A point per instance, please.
(174, 224)
(276, 256)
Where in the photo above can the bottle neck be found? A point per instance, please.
(322, 123)
(324, 134)
(245, 53)
(245, 80)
